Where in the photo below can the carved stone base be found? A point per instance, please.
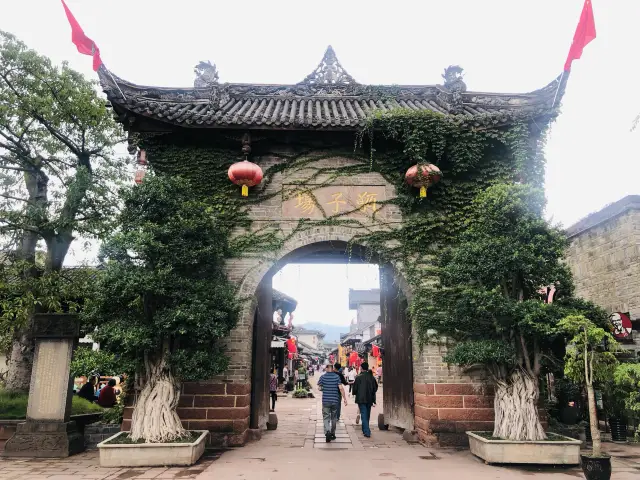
(44, 440)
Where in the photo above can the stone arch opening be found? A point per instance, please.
(396, 328)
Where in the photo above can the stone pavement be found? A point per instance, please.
(292, 451)
(86, 465)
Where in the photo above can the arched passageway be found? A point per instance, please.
(396, 330)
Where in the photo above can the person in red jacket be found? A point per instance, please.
(107, 398)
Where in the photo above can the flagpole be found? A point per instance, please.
(555, 97)
(114, 81)
(122, 93)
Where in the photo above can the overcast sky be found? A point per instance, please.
(503, 45)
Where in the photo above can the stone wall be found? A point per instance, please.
(222, 408)
(447, 401)
(97, 432)
(604, 257)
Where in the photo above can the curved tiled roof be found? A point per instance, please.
(328, 98)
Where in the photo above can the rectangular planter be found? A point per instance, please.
(564, 452)
(151, 454)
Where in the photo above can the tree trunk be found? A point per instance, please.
(20, 364)
(594, 423)
(57, 247)
(22, 350)
(516, 408)
(154, 417)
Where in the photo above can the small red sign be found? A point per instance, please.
(621, 324)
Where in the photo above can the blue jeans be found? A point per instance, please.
(329, 418)
(365, 415)
(339, 409)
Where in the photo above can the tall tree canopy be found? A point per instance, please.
(488, 301)
(58, 176)
(163, 300)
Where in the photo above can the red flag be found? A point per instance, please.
(85, 45)
(585, 32)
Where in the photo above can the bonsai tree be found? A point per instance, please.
(587, 362)
(488, 302)
(163, 299)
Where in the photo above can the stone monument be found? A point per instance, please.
(48, 431)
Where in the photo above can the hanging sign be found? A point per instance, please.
(621, 325)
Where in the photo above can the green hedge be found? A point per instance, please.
(13, 406)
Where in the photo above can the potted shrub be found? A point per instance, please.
(615, 410)
(587, 362)
(488, 302)
(163, 302)
(626, 380)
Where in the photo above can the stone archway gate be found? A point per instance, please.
(318, 116)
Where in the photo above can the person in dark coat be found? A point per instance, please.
(364, 391)
(88, 390)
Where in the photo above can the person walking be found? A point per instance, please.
(332, 389)
(338, 369)
(351, 379)
(273, 389)
(364, 391)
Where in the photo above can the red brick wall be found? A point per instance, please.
(444, 411)
(221, 408)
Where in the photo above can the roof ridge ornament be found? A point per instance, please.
(207, 77)
(329, 72)
(454, 84)
(206, 74)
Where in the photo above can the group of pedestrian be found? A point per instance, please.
(106, 395)
(362, 386)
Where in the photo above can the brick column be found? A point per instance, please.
(221, 408)
(445, 411)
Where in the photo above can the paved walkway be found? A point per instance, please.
(295, 450)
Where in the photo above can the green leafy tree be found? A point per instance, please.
(163, 300)
(487, 301)
(587, 362)
(87, 361)
(58, 174)
(626, 379)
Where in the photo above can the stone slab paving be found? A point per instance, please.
(292, 451)
(86, 465)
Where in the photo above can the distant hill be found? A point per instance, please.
(332, 331)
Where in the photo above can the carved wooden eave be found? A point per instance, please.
(327, 99)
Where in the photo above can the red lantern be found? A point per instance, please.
(139, 176)
(246, 174)
(422, 176)
(375, 351)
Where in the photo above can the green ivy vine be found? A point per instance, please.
(472, 153)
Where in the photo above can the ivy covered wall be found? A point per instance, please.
(407, 231)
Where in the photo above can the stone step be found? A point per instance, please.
(337, 440)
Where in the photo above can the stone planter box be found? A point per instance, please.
(151, 454)
(564, 452)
